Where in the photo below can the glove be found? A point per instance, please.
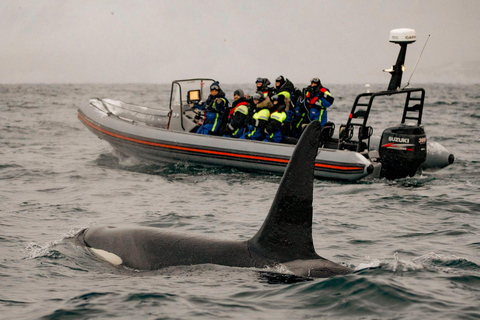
(199, 105)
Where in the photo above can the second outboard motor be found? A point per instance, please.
(402, 150)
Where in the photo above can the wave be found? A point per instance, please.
(176, 171)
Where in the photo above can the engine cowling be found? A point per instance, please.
(402, 150)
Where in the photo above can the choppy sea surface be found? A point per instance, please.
(416, 239)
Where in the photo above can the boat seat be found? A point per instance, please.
(330, 144)
(366, 133)
(345, 133)
(326, 133)
(290, 140)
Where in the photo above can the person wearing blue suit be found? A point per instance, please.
(214, 107)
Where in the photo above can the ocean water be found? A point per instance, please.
(416, 240)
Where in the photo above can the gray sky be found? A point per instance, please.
(234, 41)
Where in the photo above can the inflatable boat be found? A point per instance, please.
(169, 136)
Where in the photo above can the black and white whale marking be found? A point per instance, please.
(285, 237)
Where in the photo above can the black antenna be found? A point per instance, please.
(414, 68)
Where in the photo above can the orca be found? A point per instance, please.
(284, 239)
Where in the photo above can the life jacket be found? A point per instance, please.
(286, 87)
(262, 114)
(239, 117)
(237, 104)
(242, 108)
(286, 94)
(274, 126)
(279, 116)
(319, 103)
(215, 112)
(216, 108)
(237, 121)
(261, 120)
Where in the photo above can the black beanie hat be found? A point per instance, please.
(215, 85)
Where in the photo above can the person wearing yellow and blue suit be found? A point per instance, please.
(259, 120)
(214, 107)
(284, 87)
(274, 128)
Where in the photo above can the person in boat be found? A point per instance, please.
(301, 115)
(263, 87)
(318, 99)
(237, 117)
(284, 87)
(259, 119)
(311, 105)
(274, 129)
(214, 107)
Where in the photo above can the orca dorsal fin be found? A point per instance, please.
(286, 233)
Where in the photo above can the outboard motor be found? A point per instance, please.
(402, 150)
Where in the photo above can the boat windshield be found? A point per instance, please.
(189, 91)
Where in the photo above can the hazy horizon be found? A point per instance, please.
(155, 42)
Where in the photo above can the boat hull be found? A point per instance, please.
(158, 145)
